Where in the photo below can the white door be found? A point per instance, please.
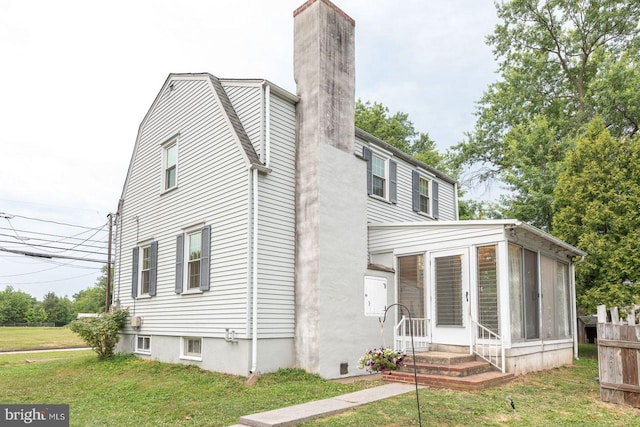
(449, 296)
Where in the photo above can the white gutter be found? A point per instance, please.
(267, 114)
(254, 271)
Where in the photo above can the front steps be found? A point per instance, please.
(455, 371)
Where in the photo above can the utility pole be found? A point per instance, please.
(108, 292)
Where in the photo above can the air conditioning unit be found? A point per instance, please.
(136, 321)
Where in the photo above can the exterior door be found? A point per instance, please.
(449, 285)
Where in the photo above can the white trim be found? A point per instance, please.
(183, 350)
(138, 350)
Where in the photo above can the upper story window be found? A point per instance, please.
(425, 195)
(170, 165)
(144, 270)
(381, 175)
(425, 201)
(378, 168)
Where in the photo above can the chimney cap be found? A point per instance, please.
(328, 3)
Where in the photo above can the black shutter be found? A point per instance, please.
(436, 202)
(179, 262)
(393, 185)
(153, 268)
(205, 258)
(134, 272)
(415, 190)
(367, 154)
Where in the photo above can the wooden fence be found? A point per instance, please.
(619, 357)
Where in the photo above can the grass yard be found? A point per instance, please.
(126, 391)
(25, 338)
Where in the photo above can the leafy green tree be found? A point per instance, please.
(36, 314)
(561, 62)
(597, 202)
(397, 130)
(14, 305)
(59, 310)
(92, 300)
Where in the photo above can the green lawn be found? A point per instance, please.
(24, 338)
(126, 391)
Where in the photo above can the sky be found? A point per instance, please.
(79, 76)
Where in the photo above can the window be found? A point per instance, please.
(448, 279)
(143, 344)
(524, 294)
(555, 299)
(424, 195)
(193, 265)
(193, 259)
(144, 270)
(381, 175)
(170, 165)
(192, 348)
(488, 288)
(411, 285)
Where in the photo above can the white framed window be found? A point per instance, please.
(191, 348)
(144, 270)
(379, 171)
(143, 344)
(170, 164)
(425, 200)
(193, 256)
(193, 249)
(424, 193)
(381, 175)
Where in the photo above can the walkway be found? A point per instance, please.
(293, 415)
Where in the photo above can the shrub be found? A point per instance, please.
(381, 360)
(101, 333)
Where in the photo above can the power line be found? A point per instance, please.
(10, 216)
(23, 238)
(52, 235)
(55, 247)
(53, 281)
(50, 256)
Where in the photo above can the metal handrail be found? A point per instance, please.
(488, 345)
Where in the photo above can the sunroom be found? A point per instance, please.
(499, 288)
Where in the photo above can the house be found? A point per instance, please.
(259, 229)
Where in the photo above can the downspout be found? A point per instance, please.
(267, 125)
(254, 270)
(574, 316)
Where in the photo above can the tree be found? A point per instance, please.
(59, 310)
(561, 62)
(14, 305)
(92, 300)
(397, 130)
(597, 201)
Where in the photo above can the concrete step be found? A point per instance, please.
(440, 358)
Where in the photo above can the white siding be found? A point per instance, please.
(277, 226)
(380, 211)
(431, 236)
(213, 188)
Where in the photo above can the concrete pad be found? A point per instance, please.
(293, 415)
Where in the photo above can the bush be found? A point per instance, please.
(101, 333)
(381, 360)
